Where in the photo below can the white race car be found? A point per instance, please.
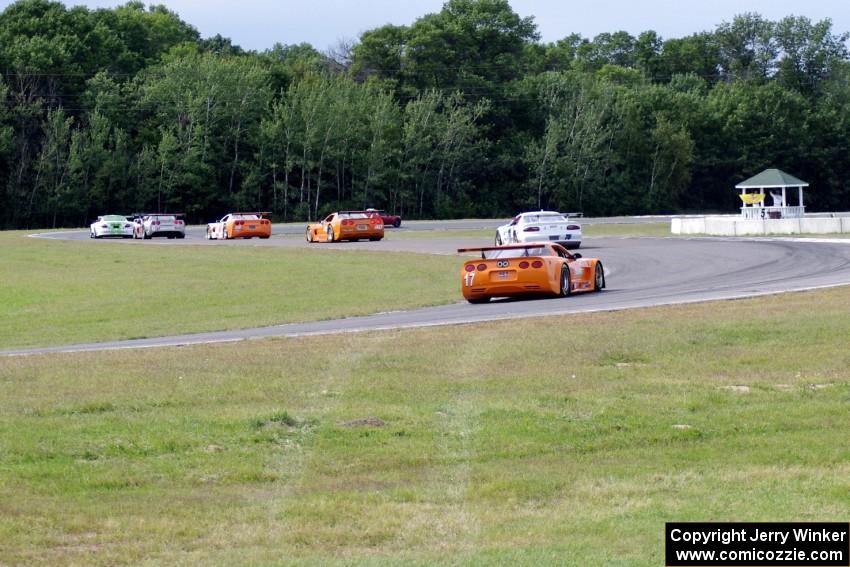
(540, 226)
(111, 225)
(159, 224)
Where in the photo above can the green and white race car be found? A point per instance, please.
(111, 225)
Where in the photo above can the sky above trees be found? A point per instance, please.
(259, 24)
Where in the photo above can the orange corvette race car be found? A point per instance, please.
(240, 225)
(346, 225)
(528, 269)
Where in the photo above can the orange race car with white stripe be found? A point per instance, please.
(346, 225)
(240, 225)
(544, 268)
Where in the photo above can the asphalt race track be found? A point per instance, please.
(640, 272)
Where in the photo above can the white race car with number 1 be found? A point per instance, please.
(540, 226)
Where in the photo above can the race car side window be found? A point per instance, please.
(329, 218)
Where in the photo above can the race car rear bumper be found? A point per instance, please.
(113, 235)
(177, 233)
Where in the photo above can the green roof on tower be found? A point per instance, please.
(771, 178)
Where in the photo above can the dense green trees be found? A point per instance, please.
(464, 112)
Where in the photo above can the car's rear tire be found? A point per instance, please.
(308, 236)
(208, 235)
(565, 284)
(498, 241)
(599, 277)
(330, 234)
(147, 236)
(478, 300)
(397, 223)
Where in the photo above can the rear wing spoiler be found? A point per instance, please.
(158, 214)
(568, 215)
(508, 247)
(261, 215)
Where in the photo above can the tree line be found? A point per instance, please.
(463, 113)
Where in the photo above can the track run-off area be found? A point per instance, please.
(640, 272)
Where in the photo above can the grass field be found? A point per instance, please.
(612, 229)
(608, 229)
(555, 441)
(55, 292)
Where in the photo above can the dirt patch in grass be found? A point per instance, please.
(364, 422)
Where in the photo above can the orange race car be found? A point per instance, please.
(346, 225)
(240, 225)
(528, 269)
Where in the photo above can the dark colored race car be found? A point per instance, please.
(389, 220)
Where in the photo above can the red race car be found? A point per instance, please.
(389, 220)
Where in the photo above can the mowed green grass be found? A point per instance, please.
(607, 229)
(636, 229)
(549, 441)
(54, 292)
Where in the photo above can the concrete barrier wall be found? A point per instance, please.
(748, 227)
(693, 225)
(737, 226)
(782, 226)
(820, 226)
(720, 226)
